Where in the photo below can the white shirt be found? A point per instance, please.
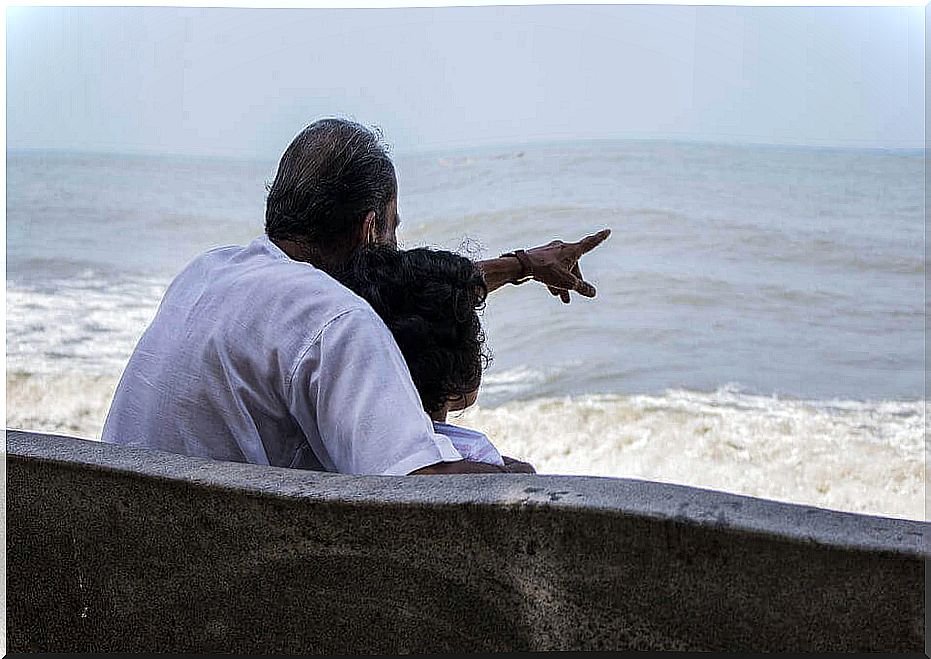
(471, 444)
(255, 357)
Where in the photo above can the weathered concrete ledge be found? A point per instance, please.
(115, 549)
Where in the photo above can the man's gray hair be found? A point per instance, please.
(330, 177)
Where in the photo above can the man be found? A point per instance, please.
(257, 355)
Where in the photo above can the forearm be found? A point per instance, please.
(511, 466)
(499, 271)
(459, 467)
(517, 466)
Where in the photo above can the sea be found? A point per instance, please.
(758, 327)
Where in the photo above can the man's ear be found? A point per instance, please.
(365, 232)
(368, 229)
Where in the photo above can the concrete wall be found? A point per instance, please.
(115, 549)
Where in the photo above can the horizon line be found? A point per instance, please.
(476, 146)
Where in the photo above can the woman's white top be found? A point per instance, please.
(471, 444)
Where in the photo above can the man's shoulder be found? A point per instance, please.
(262, 263)
(267, 281)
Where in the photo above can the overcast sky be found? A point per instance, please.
(244, 81)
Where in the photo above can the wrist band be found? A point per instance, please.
(526, 273)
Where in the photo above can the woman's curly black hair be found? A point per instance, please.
(429, 299)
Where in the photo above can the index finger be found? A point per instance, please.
(588, 243)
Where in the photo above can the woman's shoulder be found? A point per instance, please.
(450, 429)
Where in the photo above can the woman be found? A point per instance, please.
(429, 300)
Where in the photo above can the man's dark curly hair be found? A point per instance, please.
(429, 299)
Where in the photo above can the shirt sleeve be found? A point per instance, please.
(352, 394)
(471, 444)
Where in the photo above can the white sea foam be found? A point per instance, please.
(80, 323)
(74, 404)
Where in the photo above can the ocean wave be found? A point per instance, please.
(836, 250)
(81, 322)
(56, 269)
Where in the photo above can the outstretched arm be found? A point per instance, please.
(500, 271)
(556, 265)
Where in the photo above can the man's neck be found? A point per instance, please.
(440, 416)
(325, 260)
